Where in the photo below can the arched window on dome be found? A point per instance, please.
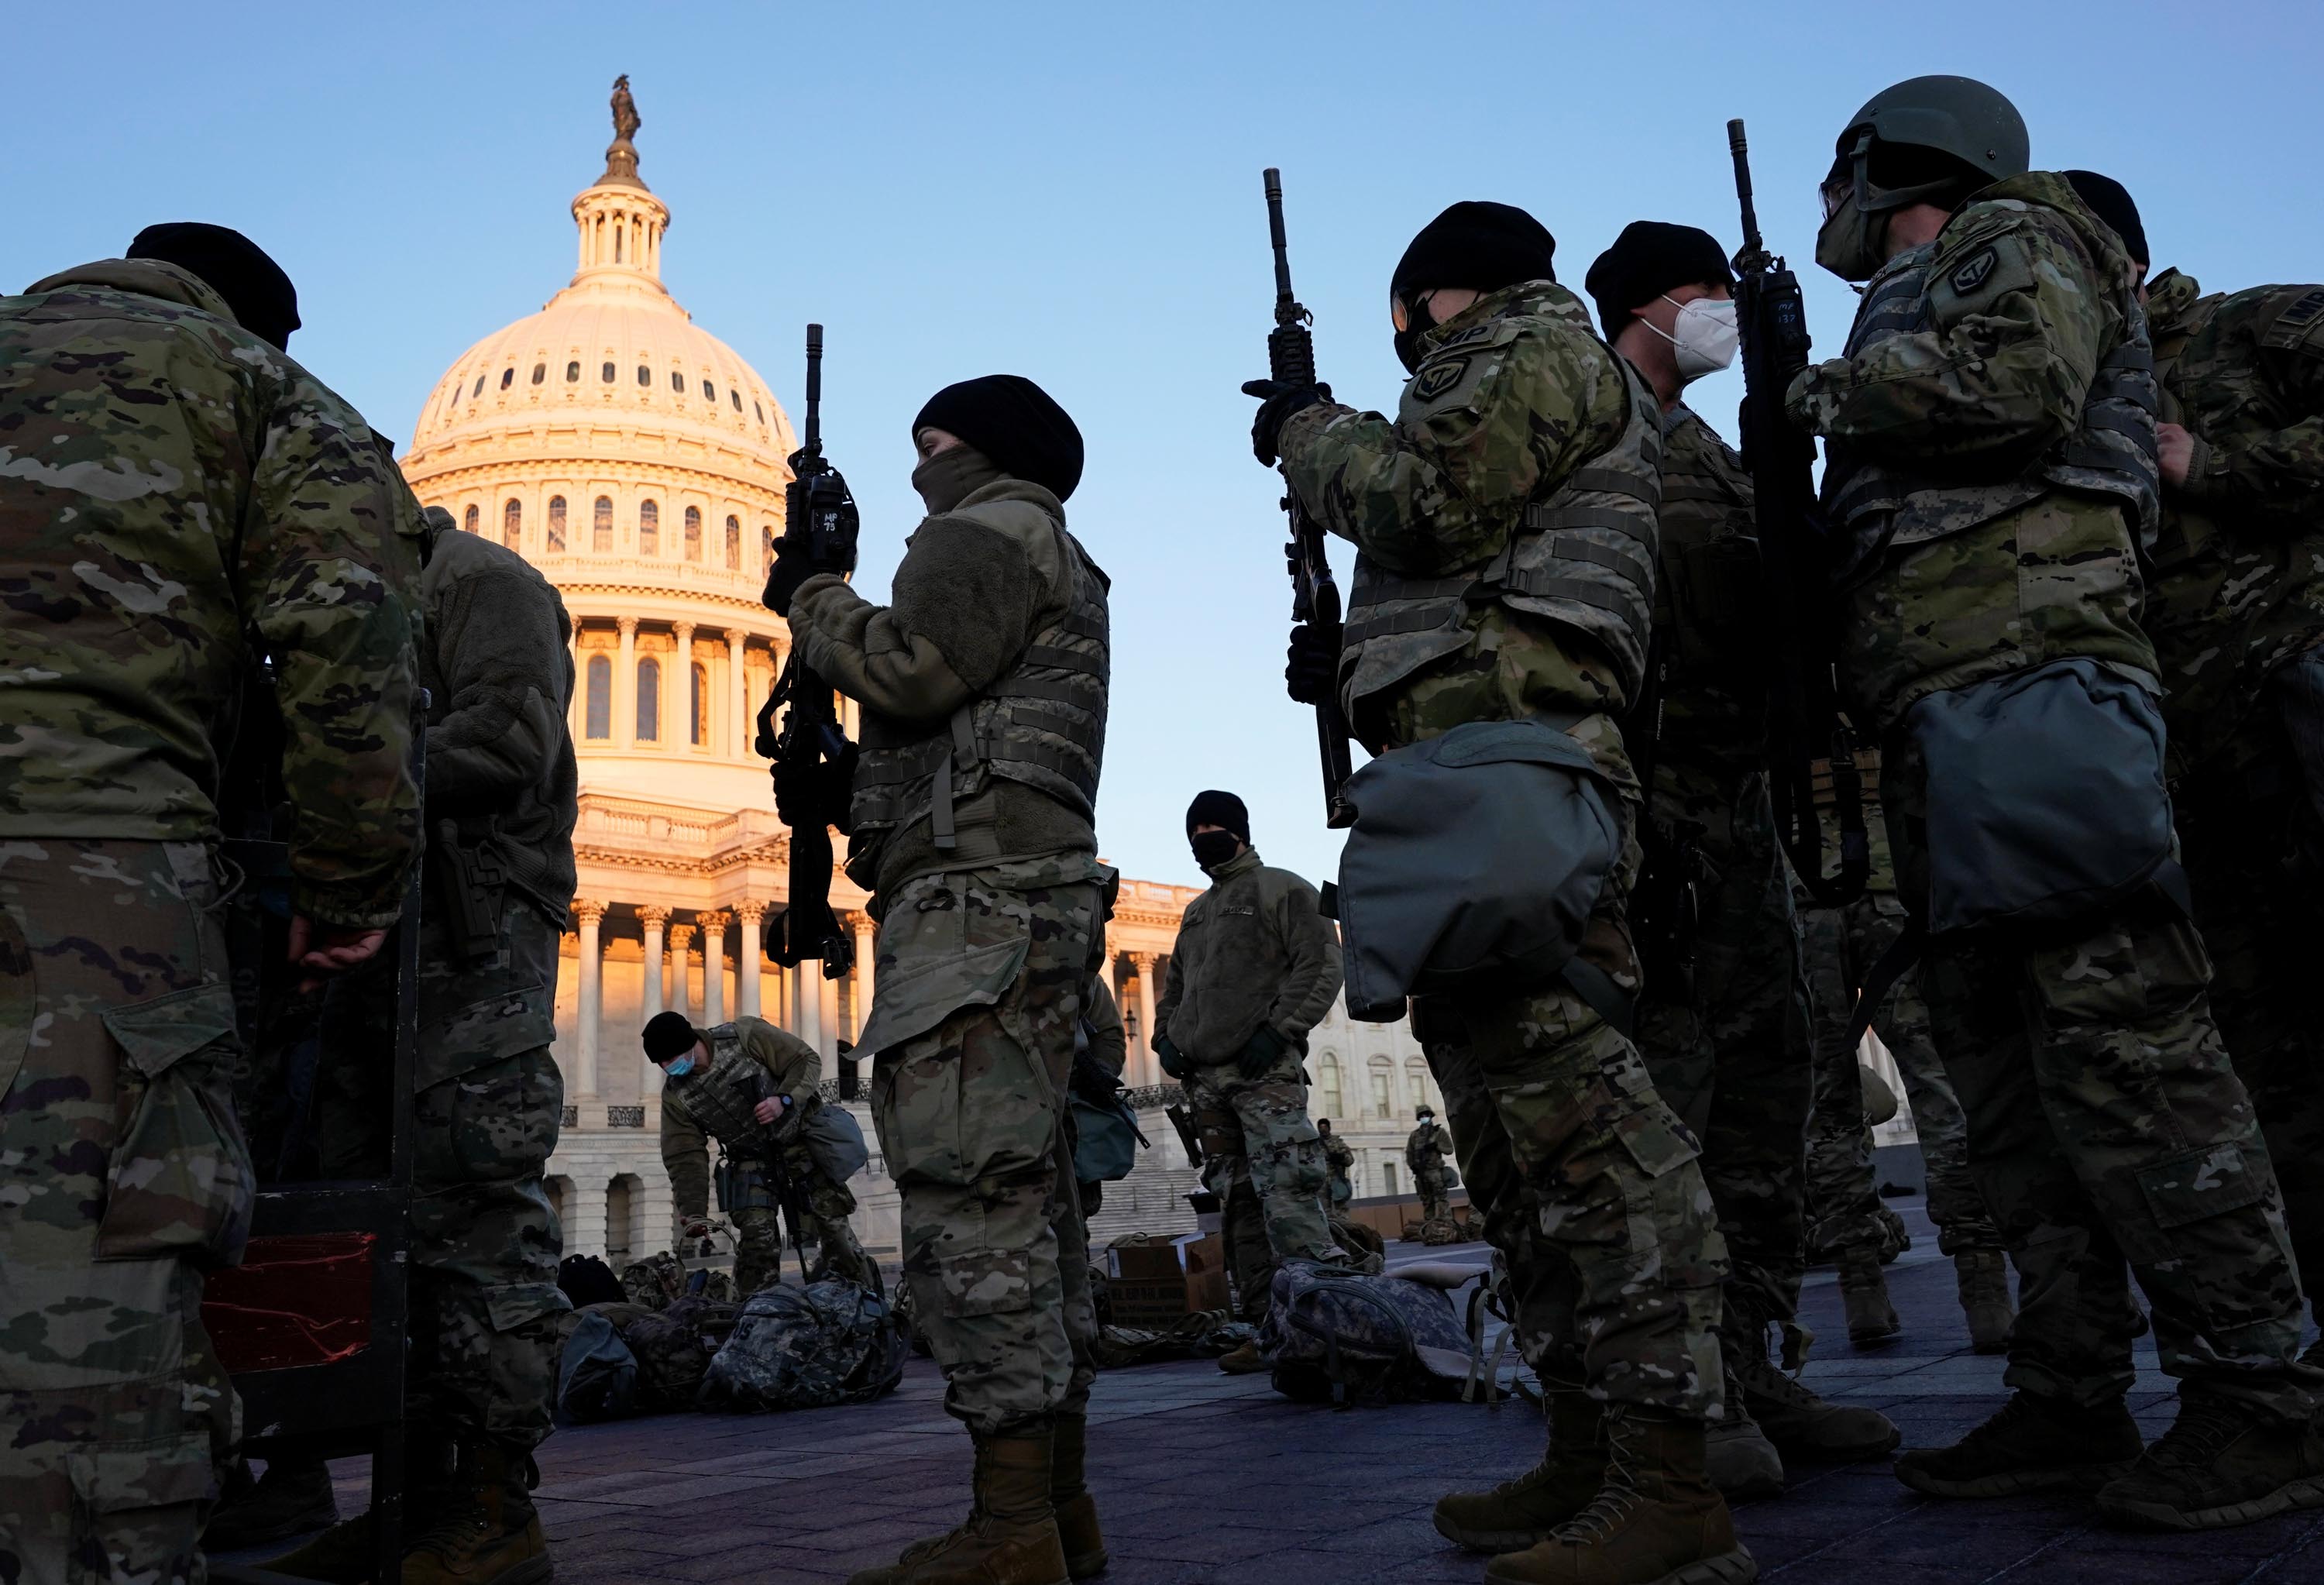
(645, 375)
(709, 392)
(605, 372)
(700, 713)
(617, 243)
(479, 391)
(508, 376)
(601, 526)
(733, 543)
(573, 373)
(597, 720)
(540, 372)
(649, 700)
(512, 524)
(678, 381)
(734, 397)
(555, 523)
(649, 528)
(757, 409)
(693, 534)
(470, 521)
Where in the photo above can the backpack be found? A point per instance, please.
(596, 1376)
(587, 1279)
(1332, 1335)
(674, 1349)
(830, 1343)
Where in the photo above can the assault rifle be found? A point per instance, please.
(819, 522)
(1803, 716)
(1314, 596)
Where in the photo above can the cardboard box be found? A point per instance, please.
(1206, 1290)
(1139, 1302)
(1202, 1252)
(1143, 1263)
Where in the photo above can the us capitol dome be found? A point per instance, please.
(640, 463)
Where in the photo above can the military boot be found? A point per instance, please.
(1983, 1276)
(1244, 1359)
(293, 1496)
(2032, 1444)
(347, 1554)
(1657, 1521)
(492, 1533)
(2222, 1462)
(1743, 1464)
(1527, 1510)
(1010, 1535)
(1806, 1427)
(1864, 1290)
(1069, 1495)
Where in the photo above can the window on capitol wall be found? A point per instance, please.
(650, 701)
(649, 528)
(512, 524)
(598, 710)
(1383, 1097)
(700, 713)
(1334, 1098)
(733, 543)
(601, 526)
(470, 519)
(693, 534)
(556, 522)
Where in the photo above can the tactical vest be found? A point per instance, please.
(1042, 725)
(722, 1100)
(1711, 595)
(1583, 556)
(2111, 451)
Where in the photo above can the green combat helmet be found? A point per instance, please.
(1922, 141)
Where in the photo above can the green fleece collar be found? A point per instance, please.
(146, 278)
(1242, 863)
(1525, 299)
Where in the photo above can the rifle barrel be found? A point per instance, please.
(1273, 179)
(813, 387)
(1736, 146)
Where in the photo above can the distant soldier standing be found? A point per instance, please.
(1523, 464)
(183, 496)
(757, 1090)
(1425, 1149)
(1105, 1043)
(1254, 968)
(1339, 1168)
(983, 688)
(1990, 478)
(1723, 1020)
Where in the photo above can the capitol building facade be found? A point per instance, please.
(640, 463)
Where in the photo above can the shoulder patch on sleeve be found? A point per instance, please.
(2296, 329)
(1971, 273)
(1438, 377)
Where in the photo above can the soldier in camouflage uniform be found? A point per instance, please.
(1254, 968)
(1338, 1171)
(757, 1090)
(1990, 477)
(1723, 1021)
(182, 492)
(501, 806)
(2235, 607)
(1424, 1156)
(984, 693)
(1107, 1044)
(1504, 522)
(1847, 1222)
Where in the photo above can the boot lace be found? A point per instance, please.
(2196, 1437)
(1763, 1377)
(1618, 1498)
(463, 1523)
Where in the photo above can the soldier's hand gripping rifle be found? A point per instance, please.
(813, 760)
(1804, 717)
(1314, 596)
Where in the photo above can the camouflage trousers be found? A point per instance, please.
(1843, 1202)
(756, 1211)
(1724, 1031)
(486, 1107)
(2105, 1126)
(2252, 853)
(123, 1174)
(1435, 1199)
(1263, 1158)
(1587, 1183)
(984, 968)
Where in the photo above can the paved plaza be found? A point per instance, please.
(1204, 1478)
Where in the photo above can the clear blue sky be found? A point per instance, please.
(1072, 192)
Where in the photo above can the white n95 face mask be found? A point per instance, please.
(1704, 336)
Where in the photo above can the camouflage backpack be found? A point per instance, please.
(1333, 1335)
(830, 1343)
(674, 1349)
(596, 1374)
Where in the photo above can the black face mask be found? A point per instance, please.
(1416, 325)
(1213, 848)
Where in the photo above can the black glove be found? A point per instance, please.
(1260, 1052)
(1311, 673)
(785, 576)
(816, 795)
(1173, 1060)
(1277, 402)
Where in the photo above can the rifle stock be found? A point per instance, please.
(1314, 593)
(1804, 723)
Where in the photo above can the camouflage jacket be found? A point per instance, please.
(1254, 949)
(1977, 407)
(1707, 607)
(1425, 1148)
(499, 681)
(1442, 489)
(1339, 1157)
(2238, 583)
(749, 1061)
(1109, 1042)
(178, 498)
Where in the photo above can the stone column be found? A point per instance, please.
(827, 1011)
(748, 957)
(1148, 1073)
(738, 700)
(681, 997)
(625, 685)
(677, 687)
(590, 1010)
(653, 918)
(867, 938)
(714, 966)
(806, 1003)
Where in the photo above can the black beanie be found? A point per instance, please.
(1222, 809)
(669, 1035)
(1479, 246)
(1648, 259)
(254, 287)
(2110, 201)
(1014, 423)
